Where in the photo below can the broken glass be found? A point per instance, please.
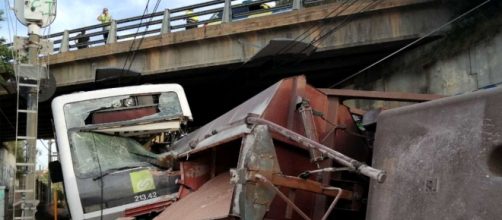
(93, 151)
(76, 113)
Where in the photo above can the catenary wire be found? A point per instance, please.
(135, 35)
(347, 19)
(315, 27)
(143, 36)
(343, 23)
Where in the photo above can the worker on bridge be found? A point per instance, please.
(105, 18)
(192, 20)
(82, 40)
(255, 7)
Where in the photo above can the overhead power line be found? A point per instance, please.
(316, 27)
(135, 35)
(343, 23)
(143, 36)
(346, 20)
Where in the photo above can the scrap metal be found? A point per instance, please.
(265, 137)
(272, 144)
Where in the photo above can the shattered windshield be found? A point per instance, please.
(166, 104)
(90, 151)
(111, 150)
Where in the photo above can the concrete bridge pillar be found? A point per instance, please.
(112, 35)
(297, 4)
(227, 12)
(166, 22)
(65, 42)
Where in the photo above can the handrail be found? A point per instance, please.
(210, 12)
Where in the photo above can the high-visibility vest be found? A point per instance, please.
(192, 19)
(105, 19)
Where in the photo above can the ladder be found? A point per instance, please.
(24, 188)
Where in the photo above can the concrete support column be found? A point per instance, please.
(166, 22)
(227, 12)
(65, 42)
(112, 34)
(297, 4)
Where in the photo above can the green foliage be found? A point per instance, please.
(43, 177)
(6, 69)
(5, 58)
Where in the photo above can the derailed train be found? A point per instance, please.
(290, 152)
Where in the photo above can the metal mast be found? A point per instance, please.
(29, 71)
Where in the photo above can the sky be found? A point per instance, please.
(73, 14)
(43, 153)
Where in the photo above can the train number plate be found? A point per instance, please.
(145, 196)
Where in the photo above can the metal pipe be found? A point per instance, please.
(332, 206)
(32, 122)
(200, 5)
(284, 197)
(306, 174)
(142, 33)
(197, 23)
(144, 24)
(310, 130)
(55, 204)
(378, 175)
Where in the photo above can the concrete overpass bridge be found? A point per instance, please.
(233, 53)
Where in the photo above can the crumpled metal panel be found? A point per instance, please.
(278, 104)
(252, 199)
(193, 175)
(226, 122)
(443, 160)
(211, 201)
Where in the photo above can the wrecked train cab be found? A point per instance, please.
(112, 146)
(290, 152)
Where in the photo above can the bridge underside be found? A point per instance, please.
(214, 90)
(216, 66)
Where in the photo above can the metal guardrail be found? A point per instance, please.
(169, 20)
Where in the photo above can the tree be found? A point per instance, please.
(6, 69)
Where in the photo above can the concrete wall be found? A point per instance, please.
(7, 166)
(446, 67)
(7, 175)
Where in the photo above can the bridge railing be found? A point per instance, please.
(167, 21)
